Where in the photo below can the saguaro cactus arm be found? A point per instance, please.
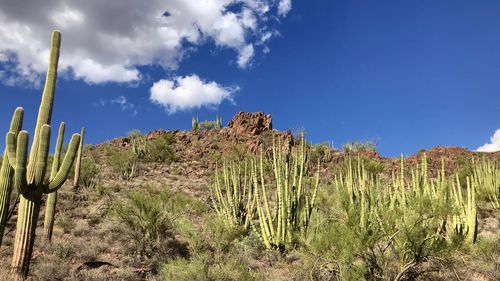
(79, 159)
(18, 155)
(45, 111)
(63, 172)
(57, 152)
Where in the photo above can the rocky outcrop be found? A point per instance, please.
(251, 123)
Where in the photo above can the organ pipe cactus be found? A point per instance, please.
(232, 195)
(7, 174)
(464, 223)
(486, 178)
(293, 201)
(29, 174)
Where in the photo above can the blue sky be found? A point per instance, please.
(407, 74)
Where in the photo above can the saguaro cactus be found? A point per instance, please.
(50, 208)
(29, 176)
(194, 124)
(78, 163)
(7, 174)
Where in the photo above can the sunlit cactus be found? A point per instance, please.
(232, 194)
(7, 174)
(295, 196)
(195, 124)
(29, 175)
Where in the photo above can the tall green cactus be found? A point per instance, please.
(233, 199)
(194, 124)
(218, 122)
(29, 176)
(78, 163)
(7, 174)
(293, 202)
(50, 206)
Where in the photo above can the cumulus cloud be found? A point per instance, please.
(245, 56)
(106, 41)
(284, 7)
(189, 92)
(494, 144)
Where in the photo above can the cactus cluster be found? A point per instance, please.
(139, 146)
(244, 192)
(28, 175)
(371, 199)
(232, 194)
(197, 126)
(486, 178)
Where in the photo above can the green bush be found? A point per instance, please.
(358, 146)
(160, 150)
(125, 163)
(89, 173)
(201, 268)
(146, 219)
(374, 230)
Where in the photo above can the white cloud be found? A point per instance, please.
(284, 7)
(245, 56)
(105, 41)
(124, 104)
(494, 144)
(185, 93)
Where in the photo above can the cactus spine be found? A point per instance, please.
(7, 174)
(29, 176)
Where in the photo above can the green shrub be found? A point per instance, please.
(383, 230)
(358, 146)
(160, 150)
(195, 269)
(89, 173)
(201, 268)
(148, 224)
(125, 163)
(207, 125)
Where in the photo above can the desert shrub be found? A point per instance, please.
(65, 222)
(202, 268)
(125, 163)
(149, 228)
(206, 125)
(50, 268)
(378, 230)
(160, 150)
(195, 269)
(372, 167)
(146, 221)
(321, 152)
(358, 146)
(89, 173)
(63, 249)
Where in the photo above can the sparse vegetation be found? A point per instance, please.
(257, 204)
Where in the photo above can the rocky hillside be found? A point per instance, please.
(92, 240)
